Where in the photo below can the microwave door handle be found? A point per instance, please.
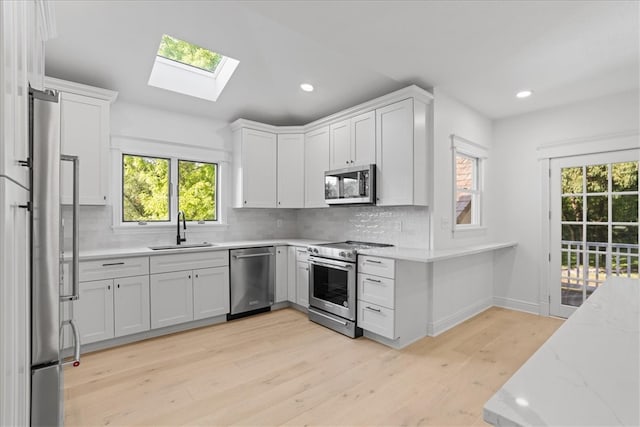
(75, 263)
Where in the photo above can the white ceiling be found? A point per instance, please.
(481, 52)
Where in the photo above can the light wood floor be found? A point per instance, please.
(279, 368)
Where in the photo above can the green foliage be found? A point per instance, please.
(196, 194)
(189, 54)
(145, 188)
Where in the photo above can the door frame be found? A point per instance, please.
(604, 143)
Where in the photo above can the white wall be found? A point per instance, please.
(453, 117)
(516, 175)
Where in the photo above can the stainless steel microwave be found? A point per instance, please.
(352, 185)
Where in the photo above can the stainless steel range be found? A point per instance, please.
(332, 285)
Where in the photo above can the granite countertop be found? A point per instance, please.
(587, 373)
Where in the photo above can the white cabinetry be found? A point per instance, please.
(84, 132)
(316, 162)
(290, 170)
(392, 300)
(353, 141)
(401, 153)
(186, 287)
(114, 298)
(282, 273)
(298, 276)
(302, 283)
(254, 168)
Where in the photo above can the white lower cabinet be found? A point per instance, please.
(131, 305)
(282, 273)
(171, 298)
(377, 319)
(112, 308)
(94, 311)
(376, 296)
(302, 283)
(210, 292)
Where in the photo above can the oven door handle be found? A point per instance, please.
(330, 265)
(329, 317)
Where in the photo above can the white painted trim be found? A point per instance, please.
(412, 91)
(545, 235)
(47, 21)
(624, 140)
(80, 89)
(437, 327)
(142, 143)
(469, 148)
(516, 304)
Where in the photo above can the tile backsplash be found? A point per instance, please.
(405, 226)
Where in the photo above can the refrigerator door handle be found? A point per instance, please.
(76, 342)
(75, 263)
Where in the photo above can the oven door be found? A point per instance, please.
(332, 286)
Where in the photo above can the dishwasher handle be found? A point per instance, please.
(253, 255)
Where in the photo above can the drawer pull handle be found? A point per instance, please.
(373, 280)
(112, 263)
(373, 261)
(377, 310)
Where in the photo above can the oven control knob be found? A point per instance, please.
(315, 250)
(309, 250)
(349, 254)
(342, 253)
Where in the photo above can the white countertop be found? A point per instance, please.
(426, 255)
(587, 373)
(145, 251)
(406, 254)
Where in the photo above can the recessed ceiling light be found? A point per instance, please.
(306, 87)
(522, 402)
(524, 94)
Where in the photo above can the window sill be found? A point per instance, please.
(470, 228)
(159, 228)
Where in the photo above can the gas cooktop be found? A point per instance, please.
(346, 251)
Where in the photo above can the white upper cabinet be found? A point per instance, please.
(401, 154)
(316, 163)
(353, 141)
(84, 132)
(290, 167)
(254, 168)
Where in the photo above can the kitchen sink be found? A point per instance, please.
(183, 246)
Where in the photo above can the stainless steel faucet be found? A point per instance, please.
(179, 238)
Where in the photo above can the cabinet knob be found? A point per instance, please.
(118, 285)
(108, 287)
(197, 276)
(245, 202)
(347, 162)
(189, 276)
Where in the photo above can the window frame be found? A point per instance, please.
(119, 226)
(159, 221)
(478, 155)
(216, 190)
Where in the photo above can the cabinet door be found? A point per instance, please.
(363, 139)
(171, 298)
(84, 132)
(394, 154)
(302, 283)
(94, 311)
(340, 145)
(210, 292)
(291, 274)
(282, 273)
(291, 171)
(131, 305)
(316, 163)
(259, 169)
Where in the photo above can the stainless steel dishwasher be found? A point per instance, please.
(252, 280)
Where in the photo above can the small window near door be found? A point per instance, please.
(467, 173)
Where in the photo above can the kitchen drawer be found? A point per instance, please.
(376, 290)
(113, 268)
(377, 319)
(302, 254)
(383, 267)
(190, 261)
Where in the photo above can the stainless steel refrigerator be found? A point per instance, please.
(47, 291)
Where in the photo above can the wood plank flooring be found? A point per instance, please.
(280, 369)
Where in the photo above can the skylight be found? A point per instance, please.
(192, 70)
(188, 54)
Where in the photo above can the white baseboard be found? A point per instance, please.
(446, 323)
(516, 304)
